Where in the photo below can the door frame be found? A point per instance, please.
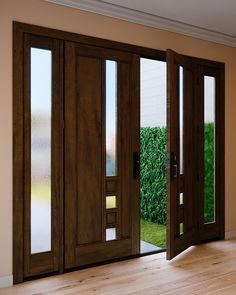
(20, 30)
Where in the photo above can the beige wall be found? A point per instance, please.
(41, 13)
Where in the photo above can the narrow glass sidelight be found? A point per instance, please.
(111, 118)
(209, 149)
(181, 120)
(41, 105)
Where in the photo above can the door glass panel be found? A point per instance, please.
(40, 99)
(209, 149)
(110, 234)
(110, 202)
(111, 118)
(181, 198)
(181, 228)
(181, 120)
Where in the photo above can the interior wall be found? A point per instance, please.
(50, 15)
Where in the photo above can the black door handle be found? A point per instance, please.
(136, 165)
(173, 166)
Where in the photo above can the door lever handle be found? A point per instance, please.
(173, 166)
(136, 165)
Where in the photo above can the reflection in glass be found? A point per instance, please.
(111, 118)
(110, 202)
(181, 120)
(40, 99)
(181, 198)
(110, 234)
(181, 228)
(209, 149)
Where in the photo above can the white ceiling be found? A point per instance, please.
(214, 20)
(216, 15)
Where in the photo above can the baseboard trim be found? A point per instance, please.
(6, 281)
(230, 234)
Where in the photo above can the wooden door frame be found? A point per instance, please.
(19, 31)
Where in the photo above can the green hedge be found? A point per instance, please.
(209, 172)
(153, 173)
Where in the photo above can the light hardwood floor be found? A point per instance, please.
(203, 269)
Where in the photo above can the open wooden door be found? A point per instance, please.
(101, 199)
(182, 178)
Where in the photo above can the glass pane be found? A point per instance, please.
(181, 228)
(209, 149)
(110, 202)
(181, 198)
(41, 96)
(181, 120)
(110, 234)
(111, 118)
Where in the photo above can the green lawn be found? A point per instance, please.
(153, 233)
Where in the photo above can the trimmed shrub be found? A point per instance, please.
(153, 173)
(209, 185)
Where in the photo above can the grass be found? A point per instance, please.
(153, 233)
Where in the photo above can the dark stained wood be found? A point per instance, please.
(60, 175)
(189, 144)
(172, 148)
(87, 146)
(135, 143)
(185, 183)
(191, 183)
(26, 154)
(128, 57)
(46, 262)
(18, 232)
(99, 42)
(22, 161)
(86, 185)
(221, 148)
(124, 108)
(213, 230)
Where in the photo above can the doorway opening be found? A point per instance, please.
(153, 153)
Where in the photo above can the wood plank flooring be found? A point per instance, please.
(203, 269)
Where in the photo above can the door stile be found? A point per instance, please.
(172, 151)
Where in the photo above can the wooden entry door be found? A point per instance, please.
(101, 190)
(195, 170)
(182, 180)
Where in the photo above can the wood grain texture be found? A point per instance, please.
(203, 269)
(17, 155)
(85, 179)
